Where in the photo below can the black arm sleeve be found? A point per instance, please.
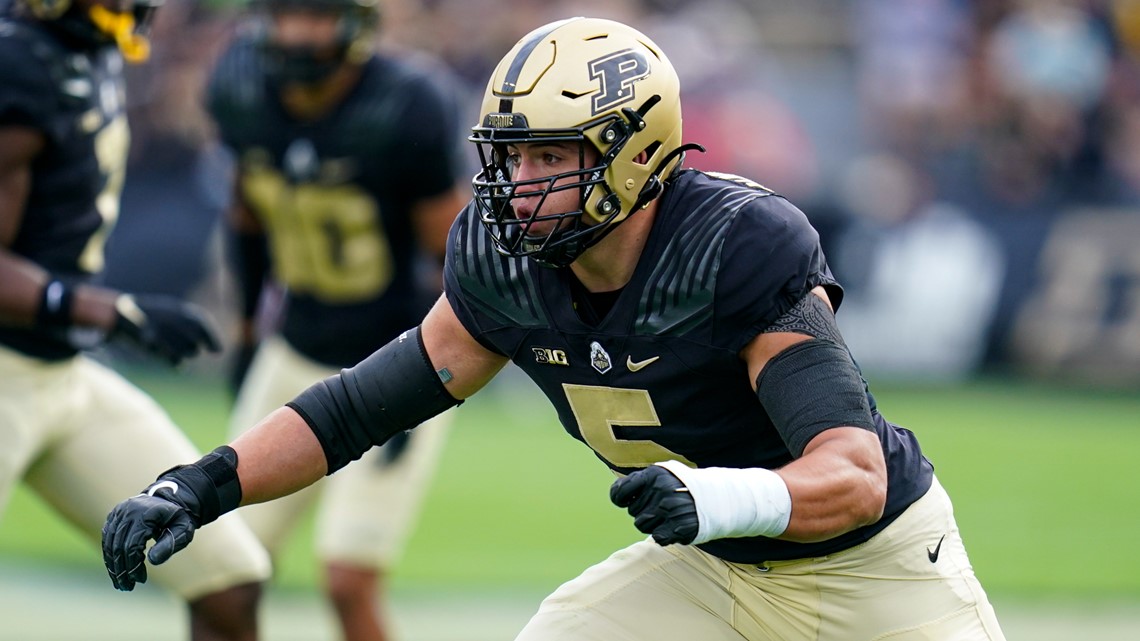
(394, 389)
(814, 385)
(811, 387)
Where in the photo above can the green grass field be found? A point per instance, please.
(1042, 480)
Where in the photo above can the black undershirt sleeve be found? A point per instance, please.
(810, 316)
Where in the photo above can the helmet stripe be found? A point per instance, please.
(512, 77)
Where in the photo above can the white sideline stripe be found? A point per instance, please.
(30, 610)
(31, 602)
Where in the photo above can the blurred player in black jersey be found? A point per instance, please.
(682, 324)
(347, 179)
(78, 433)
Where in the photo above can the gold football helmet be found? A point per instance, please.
(127, 28)
(587, 80)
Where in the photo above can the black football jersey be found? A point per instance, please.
(335, 195)
(660, 376)
(74, 95)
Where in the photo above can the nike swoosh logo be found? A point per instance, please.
(933, 555)
(639, 365)
(158, 486)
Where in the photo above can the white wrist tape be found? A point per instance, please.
(735, 502)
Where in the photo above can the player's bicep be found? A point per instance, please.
(464, 365)
(18, 147)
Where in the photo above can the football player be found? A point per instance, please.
(79, 434)
(347, 181)
(682, 323)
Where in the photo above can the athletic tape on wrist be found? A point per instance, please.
(735, 502)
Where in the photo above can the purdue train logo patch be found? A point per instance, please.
(599, 358)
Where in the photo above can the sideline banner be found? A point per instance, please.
(1080, 321)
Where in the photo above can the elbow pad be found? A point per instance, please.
(393, 390)
(810, 387)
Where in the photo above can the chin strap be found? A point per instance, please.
(654, 186)
(121, 27)
(652, 189)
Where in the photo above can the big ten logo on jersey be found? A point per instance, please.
(548, 356)
(1083, 320)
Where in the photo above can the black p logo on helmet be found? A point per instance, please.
(617, 73)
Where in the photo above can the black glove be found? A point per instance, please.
(243, 357)
(659, 503)
(181, 500)
(165, 326)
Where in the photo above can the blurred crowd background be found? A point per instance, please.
(973, 166)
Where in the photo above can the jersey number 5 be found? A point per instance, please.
(599, 409)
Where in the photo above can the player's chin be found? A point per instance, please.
(538, 233)
(540, 230)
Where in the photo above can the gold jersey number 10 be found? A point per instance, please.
(327, 241)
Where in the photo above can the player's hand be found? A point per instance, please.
(165, 512)
(181, 500)
(659, 503)
(165, 326)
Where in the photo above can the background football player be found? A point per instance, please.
(347, 167)
(79, 434)
(682, 324)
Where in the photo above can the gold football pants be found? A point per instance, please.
(84, 439)
(885, 589)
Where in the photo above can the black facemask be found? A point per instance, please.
(298, 65)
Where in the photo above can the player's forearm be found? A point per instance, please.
(23, 285)
(839, 484)
(279, 456)
(24, 295)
